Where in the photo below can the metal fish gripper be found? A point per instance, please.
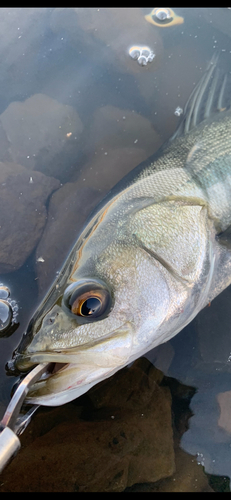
(14, 422)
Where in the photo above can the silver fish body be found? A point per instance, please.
(149, 259)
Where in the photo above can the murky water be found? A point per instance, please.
(86, 95)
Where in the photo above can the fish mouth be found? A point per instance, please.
(73, 372)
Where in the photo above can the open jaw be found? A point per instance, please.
(73, 372)
(65, 382)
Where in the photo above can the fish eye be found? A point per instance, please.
(88, 300)
(87, 304)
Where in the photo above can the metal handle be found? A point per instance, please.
(12, 421)
(9, 446)
(15, 404)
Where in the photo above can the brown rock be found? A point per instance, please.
(113, 126)
(127, 386)
(189, 477)
(23, 195)
(104, 449)
(41, 133)
(105, 170)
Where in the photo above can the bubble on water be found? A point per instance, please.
(8, 310)
(143, 55)
(142, 60)
(178, 111)
(145, 52)
(163, 14)
(4, 292)
(6, 315)
(163, 17)
(200, 459)
(150, 57)
(134, 52)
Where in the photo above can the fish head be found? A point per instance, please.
(106, 314)
(124, 289)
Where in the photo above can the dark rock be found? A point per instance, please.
(23, 214)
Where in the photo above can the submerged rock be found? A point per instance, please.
(23, 214)
(112, 127)
(107, 167)
(188, 477)
(127, 440)
(117, 141)
(123, 435)
(42, 134)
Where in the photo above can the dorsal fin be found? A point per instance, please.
(208, 97)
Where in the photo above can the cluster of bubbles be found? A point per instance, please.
(143, 55)
(8, 309)
(178, 111)
(200, 459)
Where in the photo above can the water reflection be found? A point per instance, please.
(76, 114)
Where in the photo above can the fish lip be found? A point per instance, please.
(53, 368)
(81, 357)
(24, 361)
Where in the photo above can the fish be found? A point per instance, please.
(153, 253)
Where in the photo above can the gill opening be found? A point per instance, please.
(163, 262)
